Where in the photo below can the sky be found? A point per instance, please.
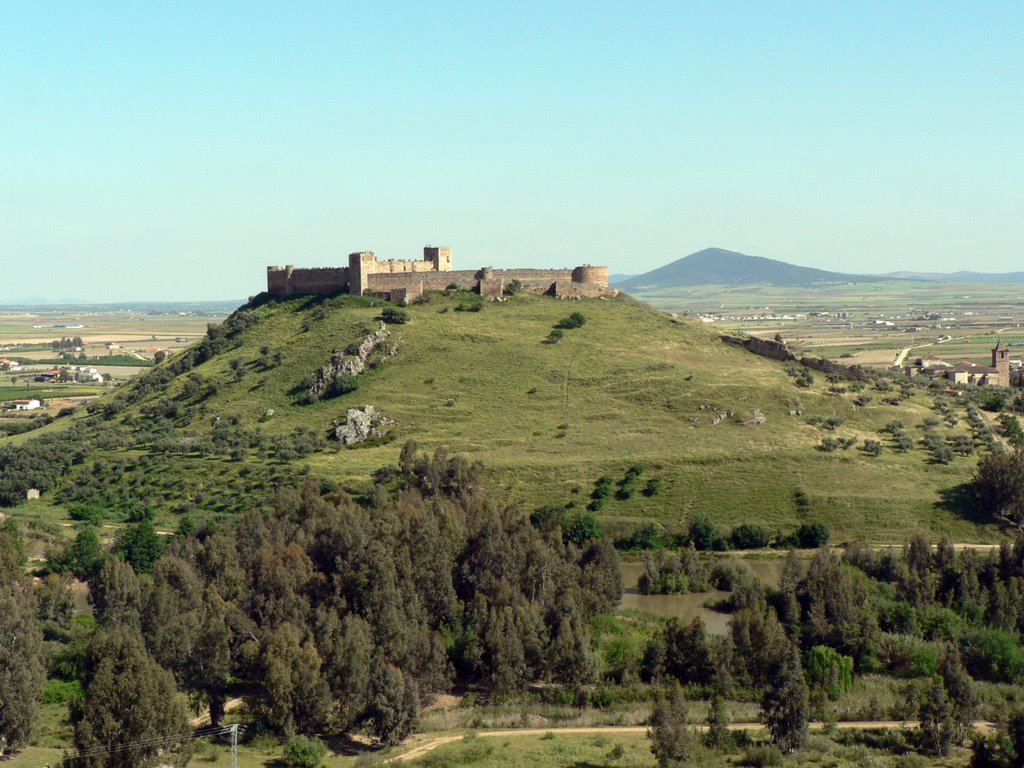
(171, 151)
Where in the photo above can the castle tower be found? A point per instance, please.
(360, 265)
(1001, 362)
(440, 257)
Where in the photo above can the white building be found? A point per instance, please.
(26, 405)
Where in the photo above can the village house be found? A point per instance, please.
(966, 372)
(26, 405)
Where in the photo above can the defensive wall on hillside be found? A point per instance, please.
(777, 350)
(407, 279)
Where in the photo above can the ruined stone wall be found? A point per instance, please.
(827, 366)
(289, 281)
(764, 347)
(776, 350)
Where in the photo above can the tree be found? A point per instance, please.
(22, 673)
(784, 707)
(999, 485)
(718, 735)
(393, 703)
(295, 698)
(963, 697)
(672, 740)
(830, 671)
(116, 595)
(936, 719)
(140, 545)
(131, 710)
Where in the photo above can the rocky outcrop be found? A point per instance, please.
(335, 378)
(362, 424)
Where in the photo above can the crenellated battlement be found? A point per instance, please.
(407, 279)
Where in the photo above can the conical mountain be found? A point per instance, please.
(717, 266)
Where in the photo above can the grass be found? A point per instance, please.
(548, 419)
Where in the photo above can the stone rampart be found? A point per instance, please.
(836, 369)
(289, 281)
(410, 277)
(776, 350)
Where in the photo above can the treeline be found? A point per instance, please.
(329, 615)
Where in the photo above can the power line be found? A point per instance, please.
(155, 741)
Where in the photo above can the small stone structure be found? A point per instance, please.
(405, 280)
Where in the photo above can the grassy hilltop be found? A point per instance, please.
(630, 387)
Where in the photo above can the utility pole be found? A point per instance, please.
(234, 745)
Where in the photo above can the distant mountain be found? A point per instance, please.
(715, 266)
(1012, 278)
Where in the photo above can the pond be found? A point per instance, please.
(689, 606)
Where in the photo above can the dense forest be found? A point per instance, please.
(328, 615)
(324, 614)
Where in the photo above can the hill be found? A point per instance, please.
(715, 266)
(213, 431)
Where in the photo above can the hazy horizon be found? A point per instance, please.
(167, 152)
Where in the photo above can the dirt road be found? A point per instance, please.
(432, 743)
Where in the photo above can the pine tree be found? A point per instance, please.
(785, 705)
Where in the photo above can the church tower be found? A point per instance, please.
(1001, 362)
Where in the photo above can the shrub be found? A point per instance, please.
(87, 512)
(872, 448)
(342, 384)
(580, 527)
(575, 320)
(703, 533)
(749, 536)
(761, 757)
(653, 487)
(812, 535)
(394, 316)
(61, 691)
(992, 654)
(304, 752)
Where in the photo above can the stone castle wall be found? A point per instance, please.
(408, 278)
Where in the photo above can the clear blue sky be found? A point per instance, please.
(173, 150)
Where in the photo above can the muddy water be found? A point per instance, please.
(687, 607)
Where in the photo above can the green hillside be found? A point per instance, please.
(630, 387)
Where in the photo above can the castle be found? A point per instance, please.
(405, 280)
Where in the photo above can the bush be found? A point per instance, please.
(653, 487)
(304, 752)
(87, 512)
(394, 316)
(703, 533)
(761, 757)
(749, 536)
(812, 535)
(61, 691)
(992, 654)
(872, 448)
(575, 320)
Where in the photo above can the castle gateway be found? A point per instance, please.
(407, 279)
